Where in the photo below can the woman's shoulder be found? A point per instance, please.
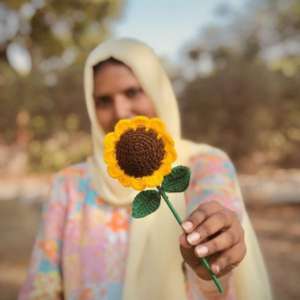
(207, 154)
(207, 159)
(74, 171)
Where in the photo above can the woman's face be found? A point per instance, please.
(118, 95)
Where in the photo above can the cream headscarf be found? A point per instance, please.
(154, 261)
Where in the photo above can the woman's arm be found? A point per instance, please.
(215, 208)
(44, 276)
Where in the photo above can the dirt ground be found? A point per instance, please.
(278, 230)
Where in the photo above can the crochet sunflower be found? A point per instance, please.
(140, 153)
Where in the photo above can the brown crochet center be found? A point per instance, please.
(140, 152)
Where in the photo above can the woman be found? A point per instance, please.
(90, 248)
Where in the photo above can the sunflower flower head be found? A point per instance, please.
(139, 152)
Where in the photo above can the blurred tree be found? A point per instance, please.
(49, 28)
(43, 46)
(285, 16)
(53, 38)
(247, 101)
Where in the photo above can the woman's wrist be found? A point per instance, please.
(207, 287)
(210, 291)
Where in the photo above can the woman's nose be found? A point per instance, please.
(122, 107)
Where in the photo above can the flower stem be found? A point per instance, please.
(204, 261)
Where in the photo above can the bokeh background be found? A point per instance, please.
(235, 67)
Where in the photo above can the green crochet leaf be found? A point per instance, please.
(178, 180)
(145, 203)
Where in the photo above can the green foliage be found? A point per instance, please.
(145, 203)
(177, 181)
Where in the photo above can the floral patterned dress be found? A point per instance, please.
(81, 248)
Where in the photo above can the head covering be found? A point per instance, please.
(154, 261)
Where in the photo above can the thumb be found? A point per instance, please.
(183, 241)
(187, 251)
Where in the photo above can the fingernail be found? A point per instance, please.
(201, 251)
(187, 226)
(193, 237)
(215, 269)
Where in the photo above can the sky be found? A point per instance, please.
(166, 25)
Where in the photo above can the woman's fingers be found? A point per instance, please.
(229, 259)
(221, 242)
(215, 223)
(183, 241)
(214, 231)
(200, 214)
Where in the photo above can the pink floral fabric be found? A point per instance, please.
(81, 248)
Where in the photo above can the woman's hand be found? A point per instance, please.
(215, 231)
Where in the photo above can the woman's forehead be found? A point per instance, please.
(113, 76)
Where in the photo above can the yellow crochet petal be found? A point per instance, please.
(109, 141)
(110, 158)
(122, 126)
(157, 125)
(171, 154)
(125, 179)
(140, 121)
(169, 159)
(154, 180)
(167, 139)
(165, 169)
(114, 171)
(138, 184)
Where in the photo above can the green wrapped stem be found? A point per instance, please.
(204, 261)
